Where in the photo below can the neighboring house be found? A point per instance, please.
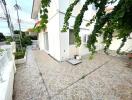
(61, 45)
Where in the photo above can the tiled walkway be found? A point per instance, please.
(43, 78)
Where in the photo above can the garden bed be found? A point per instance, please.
(20, 57)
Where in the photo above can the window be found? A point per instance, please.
(85, 38)
(71, 37)
(93, 7)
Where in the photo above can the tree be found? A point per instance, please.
(17, 7)
(119, 19)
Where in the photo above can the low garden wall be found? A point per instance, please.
(7, 71)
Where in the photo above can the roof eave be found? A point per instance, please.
(35, 8)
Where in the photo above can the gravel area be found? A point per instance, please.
(103, 78)
(28, 83)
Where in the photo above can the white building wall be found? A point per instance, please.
(64, 39)
(68, 51)
(59, 47)
(116, 43)
(54, 7)
(54, 38)
(53, 30)
(41, 40)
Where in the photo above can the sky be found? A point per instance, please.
(24, 13)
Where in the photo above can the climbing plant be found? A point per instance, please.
(105, 23)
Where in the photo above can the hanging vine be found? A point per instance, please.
(78, 22)
(119, 19)
(43, 15)
(105, 23)
(67, 15)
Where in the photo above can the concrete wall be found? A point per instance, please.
(7, 70)
(116, 43)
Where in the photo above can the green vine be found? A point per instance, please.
(105, 23)
(100, 22)
(43, 15)
(78, 22)
(119, 19)
(67, 15)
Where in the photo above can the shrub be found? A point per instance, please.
(2, 37)
(19, 54)
(8, 39)
(16, 32)
(26, 40)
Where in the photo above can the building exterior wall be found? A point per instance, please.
(53, 30)
(68, 51)
(41, 40)
(64, 39)
(59, 47)
(116, 43)
(54, 37)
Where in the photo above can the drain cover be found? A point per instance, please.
(74, 61)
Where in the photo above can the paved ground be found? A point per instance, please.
(43, 78)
